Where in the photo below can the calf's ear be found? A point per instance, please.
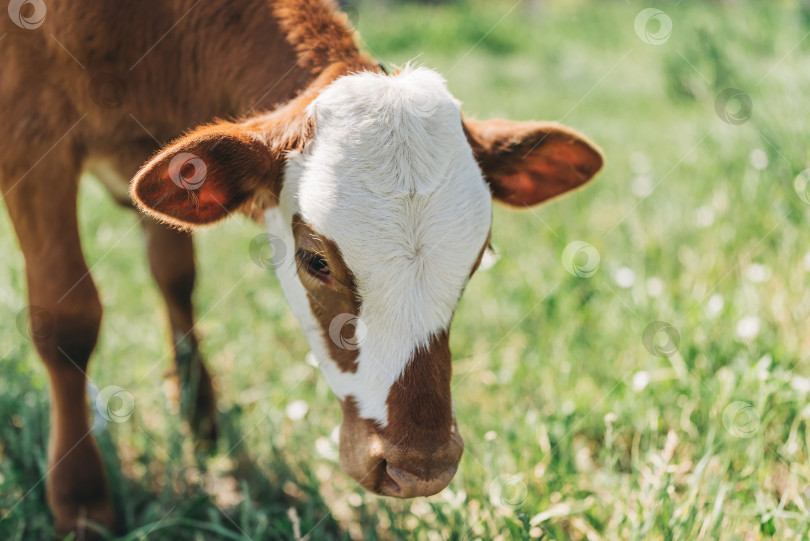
(204, 176)
(526, 163)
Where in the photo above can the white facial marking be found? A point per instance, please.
(391, 179)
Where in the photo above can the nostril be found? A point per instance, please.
(390, 485)
(399, 474)
(402, 484)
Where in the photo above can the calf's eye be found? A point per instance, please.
(314, 264)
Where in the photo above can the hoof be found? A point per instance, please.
(198, 405)
(78, 494)
(84, 521)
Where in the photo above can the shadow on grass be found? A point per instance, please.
(172, 494)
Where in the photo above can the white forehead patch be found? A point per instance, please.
(391, 179)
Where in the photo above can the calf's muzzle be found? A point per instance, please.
(416, 465)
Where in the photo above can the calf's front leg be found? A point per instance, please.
(171, 259)
(67, 313)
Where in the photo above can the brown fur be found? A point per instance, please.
(419, 403)
(337, 297)
(310, 26)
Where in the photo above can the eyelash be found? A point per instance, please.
(314, 264)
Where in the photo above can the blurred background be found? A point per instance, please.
(632, 367)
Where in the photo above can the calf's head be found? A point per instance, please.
(381, 194)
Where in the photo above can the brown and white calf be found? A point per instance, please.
(376, 185)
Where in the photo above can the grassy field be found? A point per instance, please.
(662, 395)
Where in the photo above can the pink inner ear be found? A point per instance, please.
(202, 178)
(527, 163)
(551, 169)
(211, 195)
(160, 195)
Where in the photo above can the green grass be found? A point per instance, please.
(574, 429)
